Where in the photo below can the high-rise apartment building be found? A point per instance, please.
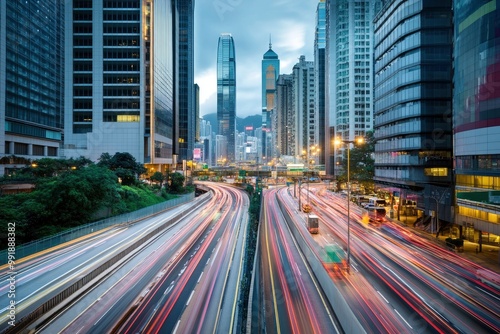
(476, 119)
(119, 79)
(31, 78)
(350, 67)
(413, 99)
(226, 95)
(185, 94)
(285, 134)
(320, 63)
(304, 93)
(270, 73)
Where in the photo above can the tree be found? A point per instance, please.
(72, 198)
(176, 183)
(158, 177)
(362, 164)
(124, 165)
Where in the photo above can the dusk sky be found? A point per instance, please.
(290, 23)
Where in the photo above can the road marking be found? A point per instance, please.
(271, 274)
(199, 278)
(190, 296)
(383, 297)
(406, 322)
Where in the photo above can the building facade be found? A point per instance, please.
(413, 101)
(350, 68)
(226, 95)
(476, 119)
(270, 73)
(305, 123)
(185, 91)
(320, 64)
(31, 78)
(285, 134)
(119, 80)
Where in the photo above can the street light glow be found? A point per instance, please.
(338, 141)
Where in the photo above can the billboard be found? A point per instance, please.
(197, 153)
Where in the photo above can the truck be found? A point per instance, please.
(334, 260)
(312, 224)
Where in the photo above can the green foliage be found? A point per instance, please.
(135, 198)
(158, 177)
(176, 183)
(124, 165)
(362, 164)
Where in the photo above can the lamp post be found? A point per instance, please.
(359, 140)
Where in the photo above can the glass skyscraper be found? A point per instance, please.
(412, 111)
(270, 73)
(321, 126)
(186, 118)
(31, 81)
(226, 94)
(476, 119)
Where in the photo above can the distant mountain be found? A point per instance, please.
(241, 123)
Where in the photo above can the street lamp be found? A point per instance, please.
(358, 140)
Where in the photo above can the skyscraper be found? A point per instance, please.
(413, 98)
(119, 79)
(321, 114)
(226, 94)
(304, 93)
(186, 117)
(31, 78)
(285, 134)
(476, 119)
(270, 73)
(350, 52)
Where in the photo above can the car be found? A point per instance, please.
(376, 213)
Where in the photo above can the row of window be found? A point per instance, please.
(478, 162)
(24, 149)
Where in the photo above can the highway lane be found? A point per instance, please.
(194, 302)
(366, 301)
(442, 289)
(289, 298)
(100, 309)
(44, 274)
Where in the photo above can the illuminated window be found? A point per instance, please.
(436, 171)
(127, 118)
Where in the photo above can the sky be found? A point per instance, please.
(290, 23)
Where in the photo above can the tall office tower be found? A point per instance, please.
(226, 92)
(350, 52)
(186, 115)
(476, 119)
(304, 122)
(31, 78)
(197, 112)
(321, 114)
(119, 80)
(413, 97)
(270, 73)
(285, 134)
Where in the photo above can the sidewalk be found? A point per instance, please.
(488, 258)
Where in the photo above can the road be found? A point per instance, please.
(430, 288)
(197, 258)
(288, 298)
